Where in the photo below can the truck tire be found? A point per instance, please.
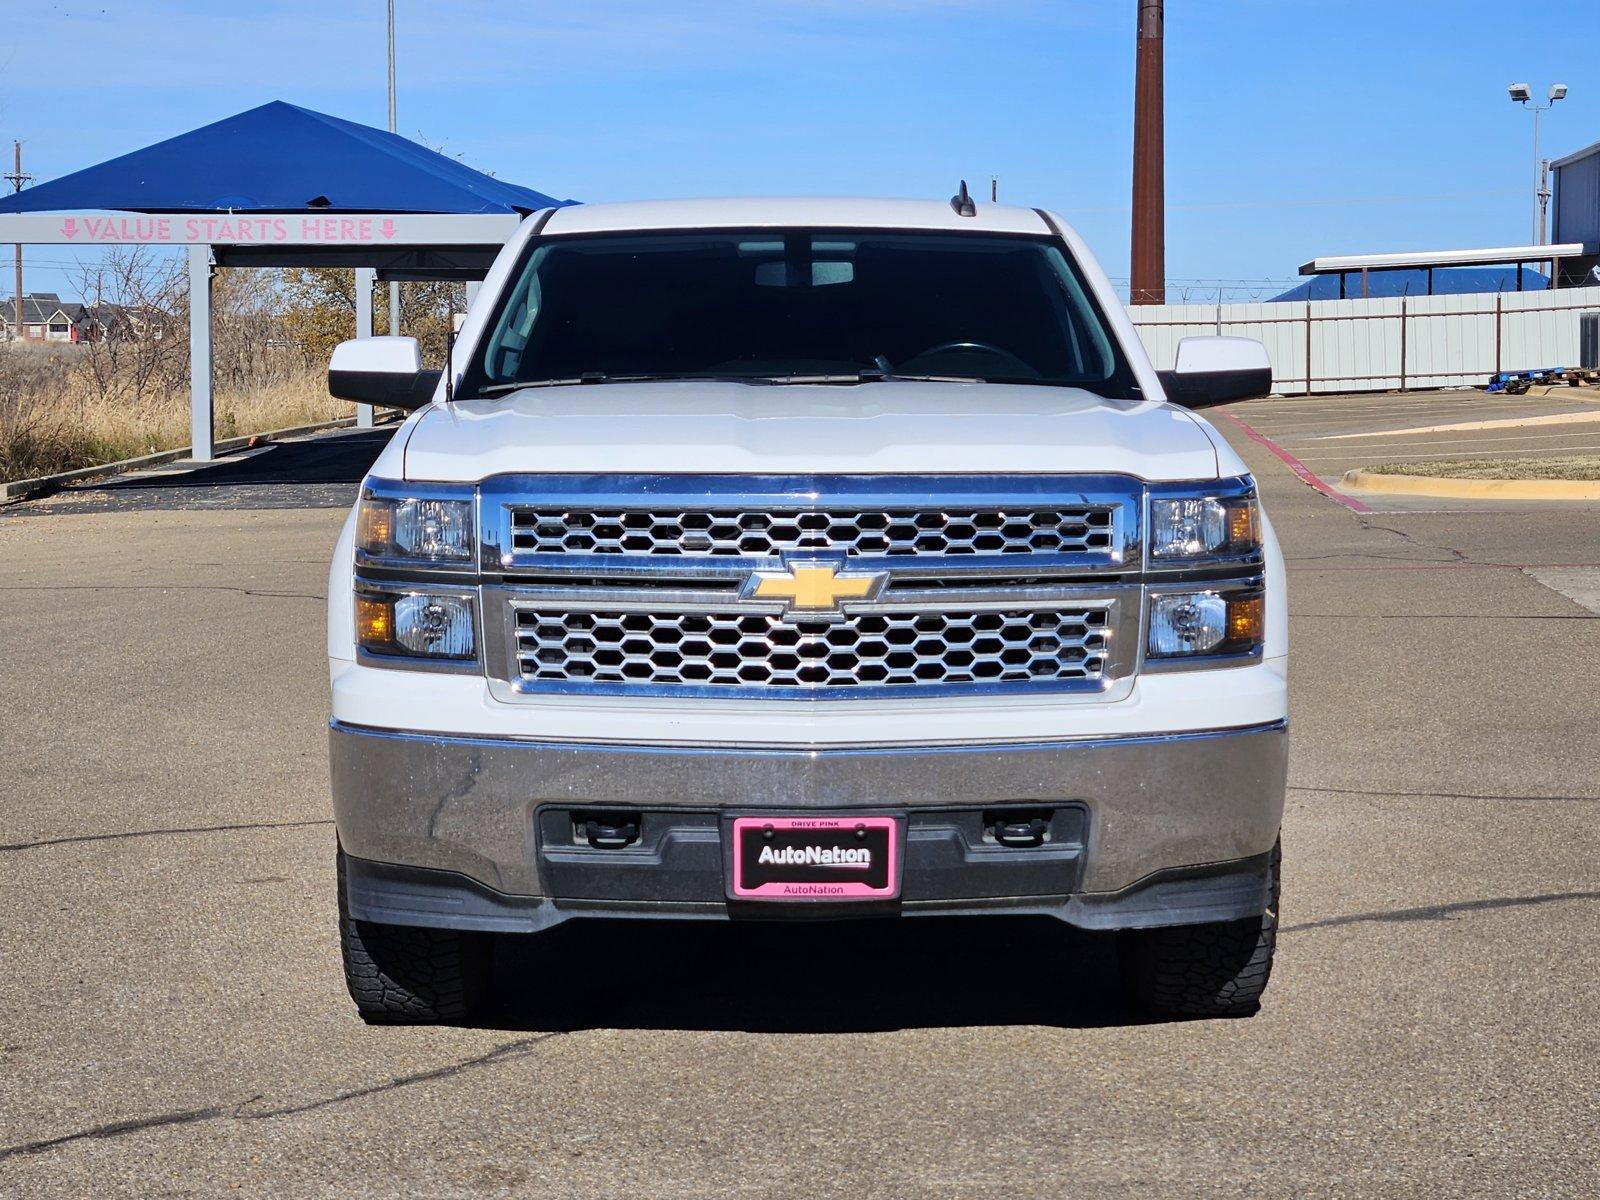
(1214, 970)
(404, 975)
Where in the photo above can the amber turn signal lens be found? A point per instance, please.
(1247, 619)
(1244, 526)
(374, 622)
(375, 526)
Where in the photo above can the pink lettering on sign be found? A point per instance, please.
(224, 229)
(236, 229)
(117, 229)
(342, 229)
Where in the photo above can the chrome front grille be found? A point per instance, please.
(854, 532)
(866, 649)
(677, 586)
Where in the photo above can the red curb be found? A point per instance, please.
(1307, 476)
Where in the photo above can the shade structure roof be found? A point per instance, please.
(1492, 256)
(281, 158)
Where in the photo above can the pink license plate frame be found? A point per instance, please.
(826, 881)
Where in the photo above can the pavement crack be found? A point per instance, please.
(160, 587)
(1391, 793)
(114, 1129)
(509, 1050)
(1301, 616)
(8, 847)
(1412, 540)
(242, 1111)
(1441, 912)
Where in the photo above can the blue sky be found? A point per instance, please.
(1294, 127)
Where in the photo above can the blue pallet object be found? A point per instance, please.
(1506, 381)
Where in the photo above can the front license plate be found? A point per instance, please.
(816, 858)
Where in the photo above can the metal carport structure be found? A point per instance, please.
(280, 186)
(1365, 265)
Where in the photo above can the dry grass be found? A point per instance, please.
(1575, 467)
(52, 420)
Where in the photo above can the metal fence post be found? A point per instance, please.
(1402, 343)
(1499, 307)
(1308, 347)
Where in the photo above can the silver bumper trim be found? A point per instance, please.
(466, 804)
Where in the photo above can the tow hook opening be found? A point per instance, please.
(606, 831)
(1022, 827)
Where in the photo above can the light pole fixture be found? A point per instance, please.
(1522, 94)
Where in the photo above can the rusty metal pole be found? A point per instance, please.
(1148, 265)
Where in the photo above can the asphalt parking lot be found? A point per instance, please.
(1329, 435)
(173, 1021)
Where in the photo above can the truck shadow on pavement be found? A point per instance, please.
(832, 977)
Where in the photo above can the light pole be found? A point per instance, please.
(394, 287)
(1521, 94)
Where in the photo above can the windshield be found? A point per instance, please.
(809, 305)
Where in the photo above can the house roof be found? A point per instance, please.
(281, 158)
(39, 307)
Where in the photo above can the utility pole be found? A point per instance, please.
(394, 287)
(18, 181)
(1148, 261)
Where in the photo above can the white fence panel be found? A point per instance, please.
(1387, 343)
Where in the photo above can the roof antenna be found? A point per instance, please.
(450, 362)
(962, 202)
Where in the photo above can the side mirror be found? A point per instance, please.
(1215, 370)
(385, 371)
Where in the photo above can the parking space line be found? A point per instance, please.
(1462, 454)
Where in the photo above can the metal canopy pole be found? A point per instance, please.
(366, 278)
(202, 440)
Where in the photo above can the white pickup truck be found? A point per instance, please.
(805, 559)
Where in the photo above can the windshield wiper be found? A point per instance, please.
(594, 377)
(504, 389)
(871, 375)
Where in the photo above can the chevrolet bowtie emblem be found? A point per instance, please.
(813, 587)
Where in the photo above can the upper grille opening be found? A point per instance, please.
(906, 532)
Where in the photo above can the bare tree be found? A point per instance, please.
(137, 302)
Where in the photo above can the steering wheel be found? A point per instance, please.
(979, 347)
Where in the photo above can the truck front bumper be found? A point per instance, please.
(483, 833)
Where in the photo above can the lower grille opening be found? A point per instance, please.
(889, 650)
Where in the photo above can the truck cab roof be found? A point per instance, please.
(792, 212)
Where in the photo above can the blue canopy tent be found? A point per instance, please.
(281, 158)
(277, 186)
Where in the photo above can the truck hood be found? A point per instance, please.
(889, 427)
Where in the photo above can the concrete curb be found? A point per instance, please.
(26, 489)
(1471, 489)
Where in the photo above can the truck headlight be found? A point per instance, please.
(1200, 527)
(424, 625)
(1192, 624)
(417, 529)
